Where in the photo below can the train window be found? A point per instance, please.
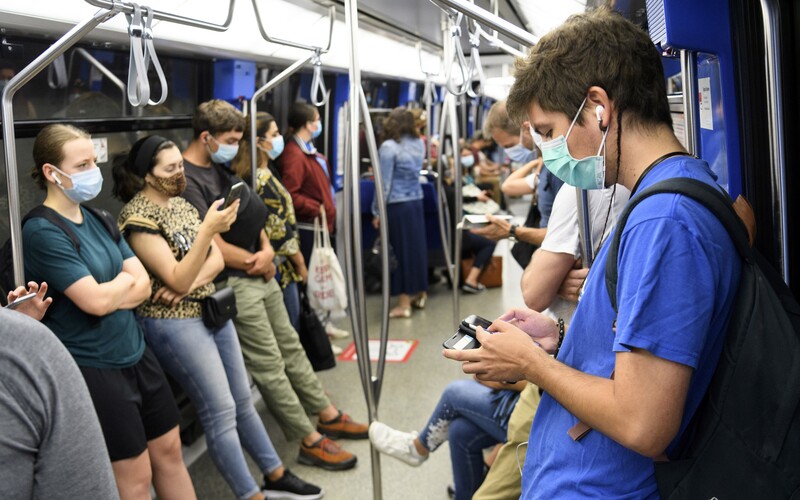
(86, 92)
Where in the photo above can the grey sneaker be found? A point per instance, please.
(394, 443)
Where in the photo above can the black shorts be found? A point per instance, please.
(134, 405)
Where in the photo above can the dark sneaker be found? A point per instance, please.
(451, 491)
(343, 427)
(290, 487)
(327, 455)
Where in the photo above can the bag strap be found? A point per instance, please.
(108, 221)
(326, 236)
(316, 232)
(711, 198)
(52, 216)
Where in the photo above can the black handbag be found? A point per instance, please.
(313, 337)
(523, 251)
(372, 260)
(218, 307)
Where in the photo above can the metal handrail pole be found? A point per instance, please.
(770, 16)
(106, 72)
(253, 108)
(444, 206)
(9, 137)
(584, 226)
(289, 43)
(127, 8)
(458, 209)
(383, 229)
(495, 22)
(325, 138)
(356, 272)
(689, 85)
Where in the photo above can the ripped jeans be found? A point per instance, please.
(465, 417)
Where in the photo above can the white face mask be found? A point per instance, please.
(224, 152)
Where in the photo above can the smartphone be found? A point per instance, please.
(473, 321)
(20, 301)
(464, 338)
(477, 221)
(234, 194)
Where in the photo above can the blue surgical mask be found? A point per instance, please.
(584, 173)
(86, 185)
(224, 152)
(317, 132)
(468, 161)
(277, 147)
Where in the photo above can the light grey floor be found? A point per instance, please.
(410, 392)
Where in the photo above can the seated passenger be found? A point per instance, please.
(598, 80)
(401, 155)
(272, 351)
(471, 415)
(95, 290)
(180, 255)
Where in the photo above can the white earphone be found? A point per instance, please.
(598, 111)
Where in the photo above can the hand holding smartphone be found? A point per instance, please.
(464, 338)
(234, 194)
(479, 221)
(20, 301)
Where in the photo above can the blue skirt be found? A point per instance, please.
(407, 236)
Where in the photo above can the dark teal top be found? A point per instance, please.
(111, 341)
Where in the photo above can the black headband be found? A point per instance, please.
(141, 164)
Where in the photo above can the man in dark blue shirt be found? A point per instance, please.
(594, 90)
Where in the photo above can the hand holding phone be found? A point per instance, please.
(234, 194)
(479, 221)
(465, 338)
(20, 301)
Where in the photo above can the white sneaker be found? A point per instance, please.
(335, 333)
(336, 349)
(397, 444)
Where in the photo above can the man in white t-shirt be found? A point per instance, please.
(561, 247)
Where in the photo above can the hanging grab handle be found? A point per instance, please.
(57, 76)
(319, 94)
(475, 67)
(457, 57)
(150, 56)
(138, 86)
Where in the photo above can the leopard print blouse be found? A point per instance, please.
(178, 225)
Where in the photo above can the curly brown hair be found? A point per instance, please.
(399, 123)
(600, 48)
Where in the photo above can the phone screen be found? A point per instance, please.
(473, 321)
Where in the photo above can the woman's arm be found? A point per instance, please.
(213, 265)
(99, 299)
(140, 290)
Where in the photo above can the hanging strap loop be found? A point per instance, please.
(475, 67)
(150, 56)
(457, 58)
(138, 86)
(319, 94)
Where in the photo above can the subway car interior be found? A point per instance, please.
(122, 72)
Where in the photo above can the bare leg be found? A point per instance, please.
(133, 477)
(472, 276)
(170, 477)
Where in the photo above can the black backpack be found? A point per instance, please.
(744, 440)
(6, 256)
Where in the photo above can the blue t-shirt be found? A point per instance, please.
(678, 275)
(111, 341)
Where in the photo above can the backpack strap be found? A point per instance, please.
(713, 199)
(52, 216)
(107, 220)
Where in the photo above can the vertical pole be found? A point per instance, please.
(689, 84)
(458, 209)
(354, 258)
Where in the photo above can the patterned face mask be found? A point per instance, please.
(171, 186)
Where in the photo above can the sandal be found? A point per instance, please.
(400, 312)
(419, 302)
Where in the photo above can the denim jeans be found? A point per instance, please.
(464, 416)
(291, 299)
(208, 364)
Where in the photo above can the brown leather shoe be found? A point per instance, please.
(327, 455)
(343, 427)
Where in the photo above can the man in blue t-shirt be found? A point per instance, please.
(594, 89)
